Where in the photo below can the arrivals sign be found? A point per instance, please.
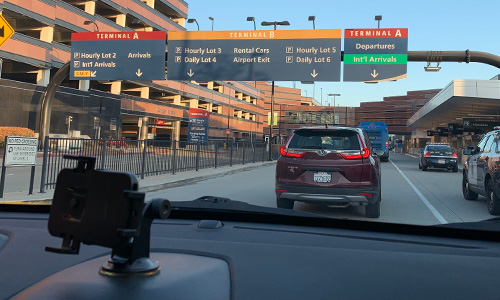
(255, 55)
(373, 55)
(134, 55)
(198, 125)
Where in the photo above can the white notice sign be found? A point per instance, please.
(20, 151)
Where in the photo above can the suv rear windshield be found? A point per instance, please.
(325, 139)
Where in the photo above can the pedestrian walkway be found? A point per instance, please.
(152, 183)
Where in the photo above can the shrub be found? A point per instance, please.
(14, 131)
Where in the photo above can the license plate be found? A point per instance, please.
(441, 161)
(322, 177)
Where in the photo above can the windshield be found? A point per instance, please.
(319, 107)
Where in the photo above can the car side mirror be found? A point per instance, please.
(379, 152)
(467, 151)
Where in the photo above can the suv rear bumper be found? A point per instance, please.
(332, 196)
(435, 162)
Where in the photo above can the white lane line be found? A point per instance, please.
(411, 155)
(433, 210)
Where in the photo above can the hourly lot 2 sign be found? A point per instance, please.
(118, 55)
(375, 54)
(281, 55)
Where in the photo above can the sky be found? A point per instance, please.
(432, 26)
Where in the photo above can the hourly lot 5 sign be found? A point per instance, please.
(375, 54)
(118, 55)
(305, 55)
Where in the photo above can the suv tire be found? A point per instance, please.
(373, 210)
(466, 191)
(424, 168)
(284, 203)
(493, 200)
(455, 169)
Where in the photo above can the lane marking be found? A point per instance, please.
(433, 210)
(410, 155)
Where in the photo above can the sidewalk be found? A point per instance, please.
(151, 183)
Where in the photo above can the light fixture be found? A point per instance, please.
(312, 18)
(194, 21)
(432, 69)
(252, 19)
(212, 19)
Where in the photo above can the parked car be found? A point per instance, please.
(438, 156)
(329, 165)
(481, 175)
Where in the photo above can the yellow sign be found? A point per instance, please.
(6, 31)
(82, 73)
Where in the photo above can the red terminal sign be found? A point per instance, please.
(160, 122)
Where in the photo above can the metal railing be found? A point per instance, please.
(145, 157)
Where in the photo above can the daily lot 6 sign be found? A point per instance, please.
(375, 54)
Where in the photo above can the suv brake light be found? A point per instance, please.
(365, 153)
(427, 154)
(455, 155)
(284, 152)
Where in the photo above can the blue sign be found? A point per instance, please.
(198, 125)
(118, 55)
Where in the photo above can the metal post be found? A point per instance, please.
(32, 180)
(174, 153)
(2, 176)
(231, 155)
(243, 146)
(197, 165)
(271, 124)
(144, 150)
(216, 153)
(253, 154)
(103, 153)
(44, 164)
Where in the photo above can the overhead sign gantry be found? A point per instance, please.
(257, 55)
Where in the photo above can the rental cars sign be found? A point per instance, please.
(373, 55)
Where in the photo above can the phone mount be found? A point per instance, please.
(105, 208)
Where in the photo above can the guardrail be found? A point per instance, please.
(146, 157)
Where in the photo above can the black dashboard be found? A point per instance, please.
(255, 256)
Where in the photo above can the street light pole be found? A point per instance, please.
(212, 19)
(378, 19)
(252, 19)
(270, 157)
(194, 21)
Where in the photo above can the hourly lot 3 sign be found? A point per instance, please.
(118, 55)
(257, 55)
(375, 54)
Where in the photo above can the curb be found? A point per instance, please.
(193, 180)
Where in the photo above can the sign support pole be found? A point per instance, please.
(270, 157)
(2, 178)
(32, 180)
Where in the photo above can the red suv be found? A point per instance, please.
(330, 165)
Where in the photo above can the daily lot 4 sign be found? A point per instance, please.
(373, 55)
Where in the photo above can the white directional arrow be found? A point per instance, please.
(93, 74)
(190, 73)
(314, 74)
(374, 73)
(138, 73)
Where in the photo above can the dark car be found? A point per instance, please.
(481, 175)
(329, 165)
(438, 156)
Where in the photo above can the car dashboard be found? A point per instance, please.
(228, 255)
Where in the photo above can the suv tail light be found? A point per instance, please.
(365, 153)
(289, 152)
(455, 155)
(427, 154)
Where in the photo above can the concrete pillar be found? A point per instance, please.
(239, 114)
(144, 128)
(176, 132)
(246, 115)
(84, 85)
(193, 103)
(47, 34)
(116, 87)
(210, 106)
(177, 100)
(180, 21)
(90, 7)
(145, 92)
(150, 3)
(43, 77)
(210, 85)
(121, 20)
